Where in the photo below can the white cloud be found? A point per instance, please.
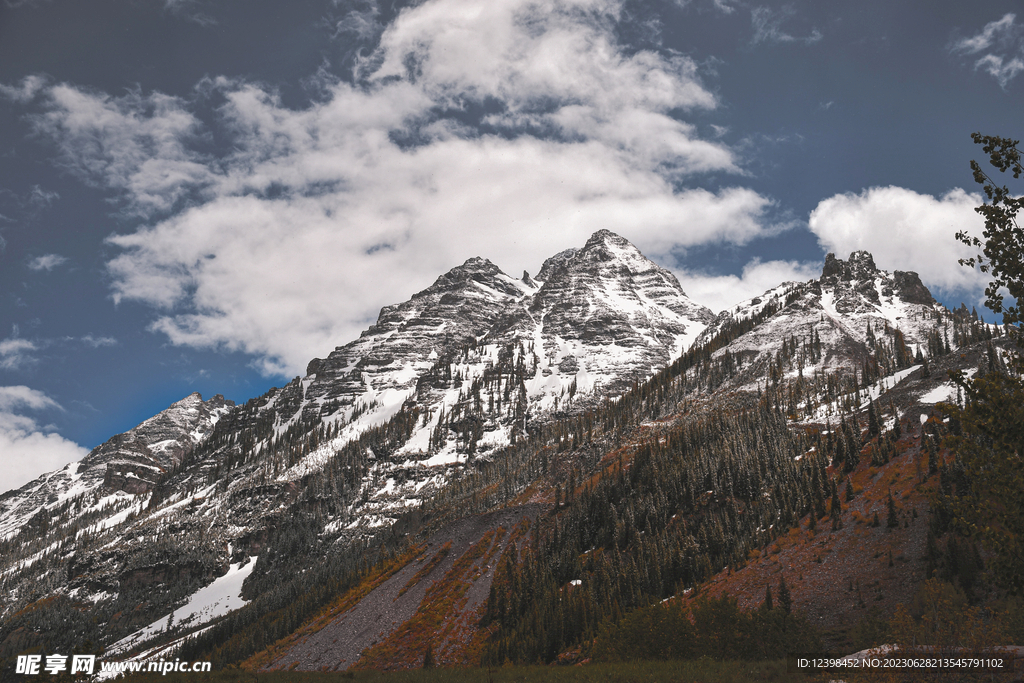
(290, 279)
(290, 244)
(994, 33)
(767, 24)
(25, 208)
(1002, 71)
(40, 198)
(724, 7)
(719, 292)
(25, 92)
(16, 353)
(26, 449)
(184, 9)
(135, 144)
(97, 342)
(361, 23)
(904, 230)
(46, 262)
(22, 397)
(1003, 40)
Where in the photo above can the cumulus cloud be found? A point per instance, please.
(719, 292)
(289, 244)
(16, 353)
(26, 91)
(137, 145)
(1002, 42)
(767, 24)
(46, 262)
(904, 230)
(361, 22)
(27, 449)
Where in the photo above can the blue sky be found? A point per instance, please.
(202, 195)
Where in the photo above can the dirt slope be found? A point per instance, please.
(836, 577)
(375, 618)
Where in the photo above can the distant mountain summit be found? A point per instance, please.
(481, 392)
(591, 323)
(608, 293)
(132, 462)
(853, 311)
(857, 285)
(461, 370)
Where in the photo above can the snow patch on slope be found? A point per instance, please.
(219, 598)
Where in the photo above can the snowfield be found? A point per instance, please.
(219, 598)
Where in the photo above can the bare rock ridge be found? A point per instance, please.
(438, 387)
(136, 460)
(855, 280)
(473, 362)
(617, 315)
(132, 462)
(839, 318)
(459, 308)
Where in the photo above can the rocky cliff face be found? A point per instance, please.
(383, 364)
(594, 321)
(858, 287)
(132, 462)
(852, 313)
(451, 376)
(608, 312)
(135, 461)
(430, 394)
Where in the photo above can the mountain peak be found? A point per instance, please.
(477, 263)
(860, 266)
(557, 261)
(607, 237)
(192, 399)
(862, 259)
(475, 268)
(605, 245)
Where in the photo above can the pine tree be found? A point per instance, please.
(873, 427)
(768, 605)
(836, 511)
(428, 657)
(933, 455)
(785, 599)
(892, 521)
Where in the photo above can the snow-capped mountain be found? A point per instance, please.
(603, 315)
(434, 392)
(460, 370)
(606, 314)
(834, 322)
(594, 321)
(126, 464)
